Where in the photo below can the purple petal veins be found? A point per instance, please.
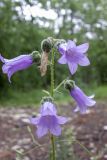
(73, 55)
(13, 65)
(83, 101)
(48, 121)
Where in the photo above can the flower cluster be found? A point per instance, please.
(72, 55)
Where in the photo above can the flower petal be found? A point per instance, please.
(90, 102)
(62, 120)
(76, 109)
(34, 120)
(84, 61)
(5, 68)
(48, 108)
(92, 96)
(55, 130)
(82, 100)
(83, 109)
(10, 72)
(72, 67)
(62, 48)
(82, 48)
(41, 131)
(21, 58)
(62, 60)
(70, 44)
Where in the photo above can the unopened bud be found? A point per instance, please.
(46, 45)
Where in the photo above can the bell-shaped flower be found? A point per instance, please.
(48, 120)
(73, 55)
(82, 100)
(21, 62)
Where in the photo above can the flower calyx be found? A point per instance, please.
(36, 57)
(46, 99)
(69, 84)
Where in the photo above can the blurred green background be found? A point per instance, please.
(25, 23)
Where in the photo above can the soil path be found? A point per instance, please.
(90, 130)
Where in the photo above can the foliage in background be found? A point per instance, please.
(79, 19)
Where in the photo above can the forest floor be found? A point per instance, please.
(89, 130)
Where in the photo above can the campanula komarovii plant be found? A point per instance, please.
(48, 122)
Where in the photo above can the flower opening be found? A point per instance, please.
(48, 121)
(73, 55)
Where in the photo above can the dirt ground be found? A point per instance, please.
(90, 130)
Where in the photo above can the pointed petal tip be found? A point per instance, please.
(34, 120)
(83, 48)
(94, 102)
(62, 60)
(56, 130)
(72, 67)
(76, 109)
(62, 120)
(84, 61)
(9, 79)
(41, 131)
(92, 96)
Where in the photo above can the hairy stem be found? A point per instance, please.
(53, 157)
(52, 73)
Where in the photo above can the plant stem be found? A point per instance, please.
(59, 85)
(53, 157)
(52, 73)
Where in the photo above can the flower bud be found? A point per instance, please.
(46, 45)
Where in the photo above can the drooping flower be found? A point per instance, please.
(19, 63)
(73, 55)
(82, 100)
(48, 121)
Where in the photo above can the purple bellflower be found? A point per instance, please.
(48, 120)
(73, 55)
(13, 65)
(83, 101)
